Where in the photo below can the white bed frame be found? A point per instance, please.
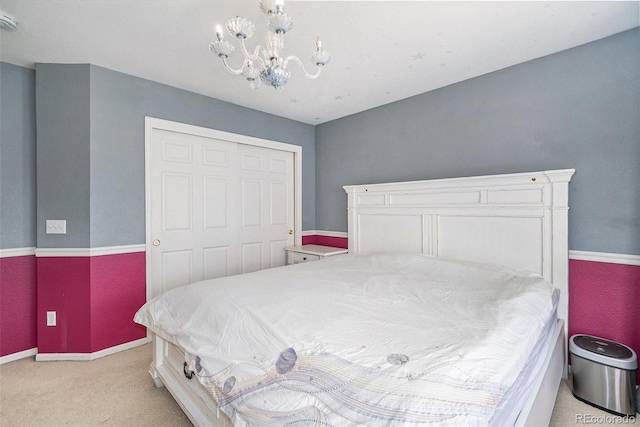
(517, 220)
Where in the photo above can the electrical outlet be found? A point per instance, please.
(51, 318)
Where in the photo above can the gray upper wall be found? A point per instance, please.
(579, 108)
(63, 150)
(116, 105)
(17, 157)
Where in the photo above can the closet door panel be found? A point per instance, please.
(217, 208)
(194, 209)
(267, 186)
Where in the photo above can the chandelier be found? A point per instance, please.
(265, 63)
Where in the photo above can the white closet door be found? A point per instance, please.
(217, 208)
(266, 207)
(194, 207)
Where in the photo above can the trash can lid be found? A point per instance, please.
(603, 351)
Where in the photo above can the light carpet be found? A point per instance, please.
(117, 390)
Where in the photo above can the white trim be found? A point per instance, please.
(89, 252)
(48, 357)
(323, 233)
(115, 250)
(19, 355)
(154, 123)
(605, 257)
(14, 252)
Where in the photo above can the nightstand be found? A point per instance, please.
(307, 253)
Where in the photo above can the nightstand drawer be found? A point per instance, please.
(306, 253)
(302, 257)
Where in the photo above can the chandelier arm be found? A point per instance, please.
(297, 61)
(229, 69)
(256, 55)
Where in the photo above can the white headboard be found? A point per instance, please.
(517, 220)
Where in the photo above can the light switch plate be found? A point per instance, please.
(56, 226)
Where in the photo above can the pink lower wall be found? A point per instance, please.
(604, 300)
(336, 242)
(63, 287)
(18, 304)
(95, 299)
(118, 290)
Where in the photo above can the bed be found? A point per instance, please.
(402, 344)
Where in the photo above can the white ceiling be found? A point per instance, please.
(382, 51)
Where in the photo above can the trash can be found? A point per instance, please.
(604, 374)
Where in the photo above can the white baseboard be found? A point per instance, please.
(19, 355)
(49, 357)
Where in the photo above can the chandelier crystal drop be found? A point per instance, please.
(265, 64)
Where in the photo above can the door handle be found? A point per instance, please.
(290, 231)
(156, 242)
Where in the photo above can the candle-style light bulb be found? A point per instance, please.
(219, 33)
(318, 42)
(279, 5)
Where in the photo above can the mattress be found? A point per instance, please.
(514, 399)
(374, 340)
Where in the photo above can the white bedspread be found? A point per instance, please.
(353, 340)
